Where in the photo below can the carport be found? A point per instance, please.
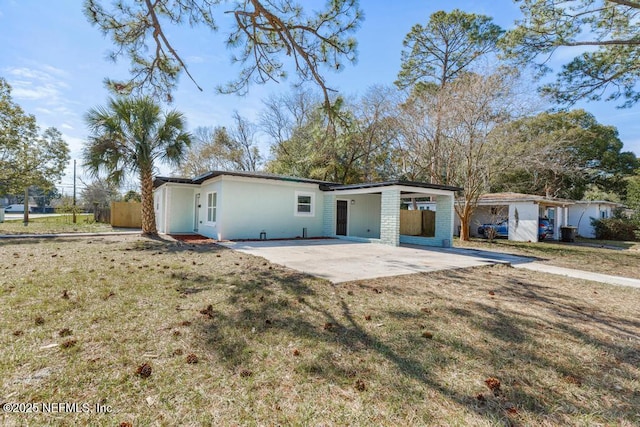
(371, 212)
(523, 212)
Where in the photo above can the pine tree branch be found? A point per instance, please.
(158, 34)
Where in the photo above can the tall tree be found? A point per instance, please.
(449, 45)
(132, 135)
(284, 112)
(376, 132)
(606, 30)
(265, 35)
(633, 195)
(476, 107)
(28, 157)
(99, 194)
(357, 149)
(244, 151)
(469, 114)
(218, 148)
(44, 196)
(561, 154)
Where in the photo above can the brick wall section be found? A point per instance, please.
(444, 225)
(390, 217)
(328, 216)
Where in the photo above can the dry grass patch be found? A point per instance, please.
(607, 259)
(486, 346)
(55, 224)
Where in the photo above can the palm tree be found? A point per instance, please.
(128, 136)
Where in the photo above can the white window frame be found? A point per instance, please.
(312, 204)
(213, 208)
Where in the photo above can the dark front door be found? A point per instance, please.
(341, 218)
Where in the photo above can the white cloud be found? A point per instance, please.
(66, 126)
(194, 60)
(43, 86)
(75, 145)
(53, 70)
(31, 92)
(47, 76)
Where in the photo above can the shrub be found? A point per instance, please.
(616, 229)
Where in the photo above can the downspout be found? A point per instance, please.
(166, 209)
(196, 213)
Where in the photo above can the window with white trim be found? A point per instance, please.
(212, 207)
(305, 204)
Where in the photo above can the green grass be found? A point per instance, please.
(276, 347)
(597, 256)
(54, 224)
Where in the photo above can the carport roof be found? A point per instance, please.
(336, 187)
(505, 198)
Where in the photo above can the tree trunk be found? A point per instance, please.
(148, 213)
(26, 207)
(464, 222)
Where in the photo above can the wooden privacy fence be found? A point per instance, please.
(418, 223)
(126, 214)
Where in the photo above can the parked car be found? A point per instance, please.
(501, 228)
(545, 229)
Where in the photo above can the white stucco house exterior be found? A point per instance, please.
(583, 211)
(523, 212)
(249, 205)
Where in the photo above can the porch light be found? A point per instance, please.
(353, 202)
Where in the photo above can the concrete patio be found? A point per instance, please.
(344, 261)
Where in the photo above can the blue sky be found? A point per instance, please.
(56, 62)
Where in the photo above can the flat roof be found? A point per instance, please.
(598, 202)
(159, 180)
(335, 187)
(324, 185)
(498, 198)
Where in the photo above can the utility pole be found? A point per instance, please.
(74, 191)
(25, 205)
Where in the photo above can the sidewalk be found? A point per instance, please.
(51, 236)
(580, 274)
(519, 261)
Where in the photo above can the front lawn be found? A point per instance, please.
(179, 334)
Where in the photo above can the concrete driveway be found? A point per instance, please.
(344, 261)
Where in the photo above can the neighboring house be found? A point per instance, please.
(249, 205)
(423, 205)
(523, 212)
(583, 211)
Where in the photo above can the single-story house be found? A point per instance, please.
(583, 211)
(523, 212)
(247, 205)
